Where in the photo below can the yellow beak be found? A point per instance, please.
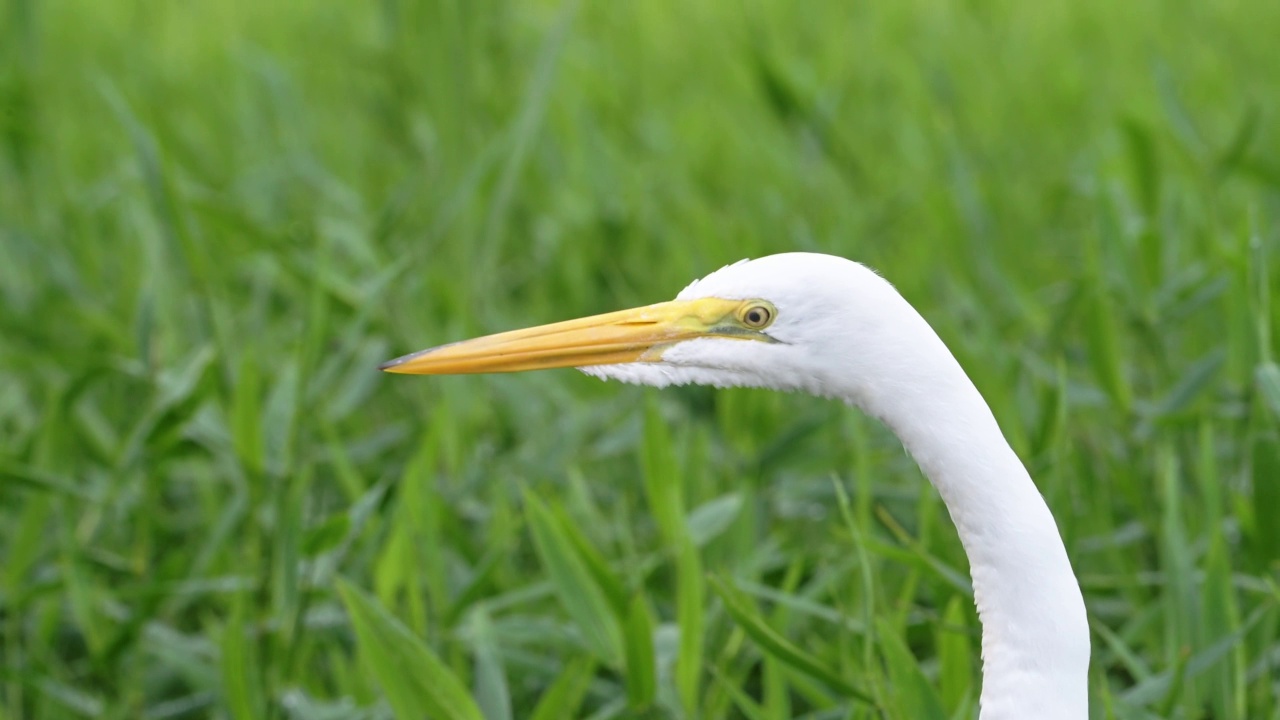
(637, 335)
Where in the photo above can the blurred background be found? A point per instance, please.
(217, 218)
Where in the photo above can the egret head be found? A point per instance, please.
(794, 321)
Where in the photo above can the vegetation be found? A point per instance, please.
(217, 218)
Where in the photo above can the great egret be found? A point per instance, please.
(834, 328)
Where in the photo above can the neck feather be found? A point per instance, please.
(1035, 636)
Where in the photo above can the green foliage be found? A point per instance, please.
(217, 218)
(584, 601)
(916, 698)
(640, 669)
(416, 682)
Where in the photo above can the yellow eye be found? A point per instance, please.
(756, 315)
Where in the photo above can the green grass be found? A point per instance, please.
(216, 218)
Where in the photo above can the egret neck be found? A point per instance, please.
(1035, 636)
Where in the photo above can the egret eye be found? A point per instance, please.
(756, 316)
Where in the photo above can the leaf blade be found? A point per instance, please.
(416, 681)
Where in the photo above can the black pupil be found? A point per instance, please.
(755, 316)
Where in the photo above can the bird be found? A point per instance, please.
(835, 328)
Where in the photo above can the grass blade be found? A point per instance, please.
(565, 695)
(641, 678)
(577, 589)
(1196, 379)
(415, 680)
(777, 646)
(955, 656)
(590, 555)
(1268, 380)
(691, 618)
(916, 696)
(491, 691)
(713, 517)
(246, 417)
(240, 669)
(662, 477)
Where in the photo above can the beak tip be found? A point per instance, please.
(392, 365)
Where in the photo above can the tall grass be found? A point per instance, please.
(216, 218)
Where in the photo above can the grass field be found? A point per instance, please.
(217, 218)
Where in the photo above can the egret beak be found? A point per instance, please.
(637, 335)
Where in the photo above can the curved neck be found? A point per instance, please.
(1035, 636)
